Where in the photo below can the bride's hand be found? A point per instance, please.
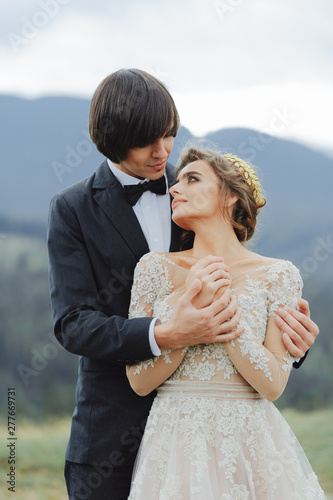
(215, 278)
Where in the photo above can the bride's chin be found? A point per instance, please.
(182, 222)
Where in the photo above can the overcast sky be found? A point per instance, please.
(263, 64)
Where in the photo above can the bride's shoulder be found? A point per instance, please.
(151, 257)
(155, 259)
(256, 260)
(271, 265)
(278, 269)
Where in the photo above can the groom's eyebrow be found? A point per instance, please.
(188, 174)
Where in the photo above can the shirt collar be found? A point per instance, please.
(125, 179)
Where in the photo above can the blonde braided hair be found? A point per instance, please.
(249, 176)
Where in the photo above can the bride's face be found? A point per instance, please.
(196, 195)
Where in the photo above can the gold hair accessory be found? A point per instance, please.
(250, 176)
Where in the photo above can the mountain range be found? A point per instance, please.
(45, 146)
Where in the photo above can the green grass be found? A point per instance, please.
(40, 461)
(315, 433)
(41, 448)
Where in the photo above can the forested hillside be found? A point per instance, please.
(45, 147)
(44, 374)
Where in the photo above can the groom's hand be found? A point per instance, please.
(299, 331)
(190, 326)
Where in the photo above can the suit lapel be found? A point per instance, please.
(109, 195)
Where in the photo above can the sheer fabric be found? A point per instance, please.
(212, 432)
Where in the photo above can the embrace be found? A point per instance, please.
(176, 322)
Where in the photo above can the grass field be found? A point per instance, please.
(40, 454)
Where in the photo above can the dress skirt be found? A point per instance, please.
(219, 441)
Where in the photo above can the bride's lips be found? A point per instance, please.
(177, 202)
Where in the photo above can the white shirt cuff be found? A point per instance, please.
(152, 342)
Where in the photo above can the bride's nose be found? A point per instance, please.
(175, 189)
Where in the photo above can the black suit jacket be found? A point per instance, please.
(94, 244)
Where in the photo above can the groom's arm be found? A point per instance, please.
(79, 326)
(299, 331)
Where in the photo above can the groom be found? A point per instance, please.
(98, 230)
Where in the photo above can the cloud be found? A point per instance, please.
(293, 111)
(203, 48)
(198, 43)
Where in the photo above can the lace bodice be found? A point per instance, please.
(159, 282)
(208, 434)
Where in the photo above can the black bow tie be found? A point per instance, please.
(134, 192)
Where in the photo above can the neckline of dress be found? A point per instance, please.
(258, 268)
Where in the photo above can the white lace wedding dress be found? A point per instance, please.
(210, 435)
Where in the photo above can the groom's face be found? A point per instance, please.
(148, 162)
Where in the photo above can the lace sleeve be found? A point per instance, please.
(267, 367)
(285, 287)
(151, 282)
(143, 294)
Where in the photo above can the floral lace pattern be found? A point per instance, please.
(276, 284)
(198, 447)
(209, 434)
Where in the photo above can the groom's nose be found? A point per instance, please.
(159, 148)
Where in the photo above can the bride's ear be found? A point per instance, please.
(232, 200)
(230, 204)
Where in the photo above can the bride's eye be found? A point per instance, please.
(192, 178)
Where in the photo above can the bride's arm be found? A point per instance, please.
(267, 366)
(145, 376)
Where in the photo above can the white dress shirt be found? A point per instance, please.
(154, 215)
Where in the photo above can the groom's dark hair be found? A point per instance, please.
(130, 108)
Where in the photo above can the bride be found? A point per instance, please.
(213, 431)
